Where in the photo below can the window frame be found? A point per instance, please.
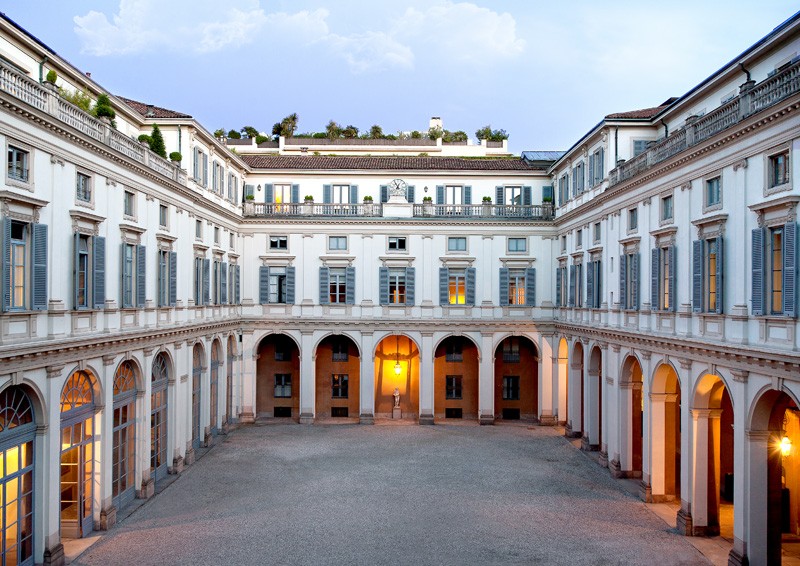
(337, 285)
(453, 387)
(708, 182)
(27, 151)
(451, 250)
(666, 205)
(129, 204)
(510, 239)
(596, 232)
(163, 216)
(89, 186)
(771, 186)
(340, 391)
(398, 286)
(19, 299)
(282, 381)
(198, 230)
(511, 388)
(633, 219)
(279, 285)
(332, 239)
(456, 280)
(398, 248)
(517, 280)
(277, 240)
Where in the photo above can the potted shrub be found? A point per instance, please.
(369, 209)
(50, 79)
(104, 111)
(487, 206)
(427, 206)
(176, 157)
(309, 199)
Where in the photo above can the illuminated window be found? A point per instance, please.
(775, 264)
(337, 285)
(158, 419)
(457, 285)
(516, 286)
(397, 286)
(124, 435)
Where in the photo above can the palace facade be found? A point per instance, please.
(639, 289)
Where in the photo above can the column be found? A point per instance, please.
(366, 379)
(249, 378)
(143, 409)
(592, 410)
(307, 377)
(548, 371)
(428, 275)
(647, 421)
(699, 499)
(742, 458)
(486, 379)
(685, 522)
(622, 461)
(614, 414)
(426, 355)
(589, 398)
(755, 545)
(48, 470)
(176, 405)
(103, 458)
(605, 402)
(574, 425)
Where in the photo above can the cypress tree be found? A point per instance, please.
(157, 142)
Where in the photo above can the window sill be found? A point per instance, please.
(20, 184)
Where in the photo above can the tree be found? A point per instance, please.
(289, 124)
(487, 133)
(157, 142)
(435, 133)
(234, 135)
(333, 130)
(220, 133)
(350, 132)
(416, 135)
(453, 137)
(249, 131)
(261, 139)
(376, 132)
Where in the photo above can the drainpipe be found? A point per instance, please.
(616, 145)
(666, 128)
(745, 71)
(41, 69)
(179, 138)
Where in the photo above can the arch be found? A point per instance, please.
(269, 334)
(665, 433)
(498, 339)
(198, 367)
(563, 381)
(124, 433)
(160, 371)
(36, 398)
(386, 335)
(631, 385)
(516, 379)
(459, 335)
(277, 376)
(337, 376)
(593, 411)
(401, 351)
(230, 355)
(456, 369)
(576, 427)
(355, 341)
(662, 379)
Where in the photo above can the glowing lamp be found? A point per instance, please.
(397, 368)
(786, 446)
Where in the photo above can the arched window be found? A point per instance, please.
(17, 436)
(158, 418)
(124, 444)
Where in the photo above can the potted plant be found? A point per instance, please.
(309, 199)
(176, 157)
(104, 111)
(487, 206)
(50, 79)
(369, 209)
(427, 206)
(250, 197)
(249, 204)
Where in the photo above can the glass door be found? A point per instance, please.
(77, 464)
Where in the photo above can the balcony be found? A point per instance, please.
(478, 211)
(752, 99)
(46, 99)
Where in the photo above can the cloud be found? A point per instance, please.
(371, 51)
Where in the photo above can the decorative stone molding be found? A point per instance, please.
(616, 348)
(776, 211)
(108, 359)
(57, 160)
(84, 222)
(741, 164)
(740, 375)
(687, 186)
(131, 234)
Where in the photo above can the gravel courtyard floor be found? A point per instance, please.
(388, 494)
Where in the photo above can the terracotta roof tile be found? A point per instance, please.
(642, 114)
(155, 111)
(313, 162)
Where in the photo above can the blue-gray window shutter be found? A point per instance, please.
(757, 260)
(76, 245)
(559, 275)
(173, 278)
(574, 182)
(439, 194)
(720, 272)
(237, 278)
(353, 194)
(350, 285)
(411, 274)
(527, 197)
(141, 275)
(383, 284)
(571, 287)
(196, 164)
(410, 191)
(598, 284)
(290, 285)
(634, 282)
(205, 169)
(547, 193)
(223, 284)
(471, 276)
(206, 281)
(599, 170)
(444, 293)
(468, 194)
(384, 193)
(504, 286)
(530, 286)
(39, 272)
(324, 286)
(269, 193)
(295, 193)
(697, 276)
(123, 273)
(790, 269)
(591, 170)
(623, 281)
(655, 271)
(499, 195)
(673, 265)
(326, 194)
(99, 272)
(590, 285)
(263, 284)
(5, 295)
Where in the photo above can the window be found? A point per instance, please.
(167, 273)
(511, 351)
(510, 388)
(563, 189)
(454, 194)
(575, 286)
(281, 193)
(775, 249)
(340, 194)
(713, 193)
(397, 286)
(200, 167)
(563, 244)
(596, 167)
(216, 235)
(216, 272)
(629, 281)
(594, 279)
(89, 280)
(516, 286)
(283, 385)
(596, 232)
(666, 208)
(18, 164)
(639, 146)
(198, 229)
(279, 242)
(517, 245)
(578, 179)
(133, 276)
(277, 285)
(458, 244)
(633, 219)
(129, 204)
(282, 352)
(337, 285)
(339, 386)
(202, 271)
(452, 387)
(562, 286)
(778, 169)
(707, 275)
(454, 351)
(83, 187)
(340, 350)
(231, 240)
(579, 238)
(163, 216)
(663, 266)
(82, 271)
(458, 286)
(513, 196)
(337, 243)
(397, 243)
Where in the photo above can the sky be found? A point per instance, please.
(544, 72)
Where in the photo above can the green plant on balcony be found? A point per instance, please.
(249, 198)
(487, 200)
(79, 98)
(427, 200)
(51, 77)
(367, 199)
(547, 199)
(175, 156)
(309, 198)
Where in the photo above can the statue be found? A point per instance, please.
(396, 395)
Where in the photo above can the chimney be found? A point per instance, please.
(88, 74)
(436, 122)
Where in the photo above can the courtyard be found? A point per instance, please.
(393, 494)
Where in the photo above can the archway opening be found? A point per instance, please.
(665, 435)
(278, 377)
(563, 382)
(455, 379)
(575, 426)
(213, 397)
(632, 440)
(198, 355)
(78, 422)
(158, 418)
(17, 439)
(337, 371)
(123, 448)
(397, 367)
(712, 417)
(516, 380)
(231, 354)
